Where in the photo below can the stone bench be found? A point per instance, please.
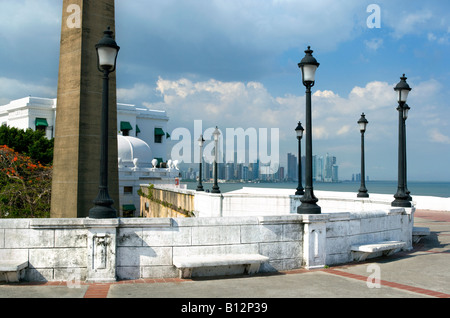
(419, 232)
(213, 265)
(362, 251)
(10, 271)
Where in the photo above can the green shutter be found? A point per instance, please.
(41, 122)
(159, 132)
(137, 129)
(128, 207)
(124, 125)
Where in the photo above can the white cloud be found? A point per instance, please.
(373, 44)
(11, 89)
(139, 91)
(238, 104)
(411, 23)
(437, 136)
(442, 39)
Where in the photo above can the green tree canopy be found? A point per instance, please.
(28, 142)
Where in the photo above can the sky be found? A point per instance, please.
(233, 64)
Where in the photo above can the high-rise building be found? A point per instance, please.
(318, 167)
(292, 167)
(330, 161)
(334, 174)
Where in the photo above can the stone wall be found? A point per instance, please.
(146, 249)
(104, 250)
(162, 203)
(346, 229)
(259, 201)
(110, 249)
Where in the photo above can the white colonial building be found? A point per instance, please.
(142, 143)
(30, 112)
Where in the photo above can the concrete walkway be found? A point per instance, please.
(422, 272)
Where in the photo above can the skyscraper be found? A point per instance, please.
(292, 166)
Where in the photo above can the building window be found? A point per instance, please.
(127, 190)
(128, 210)
(125, 128)
(159, 133)
(137, 130)
(41, 124)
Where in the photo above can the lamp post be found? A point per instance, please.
(216, 134)
(107, 51)
(362, 128)
(201, 141)
(406, 109)
(308, 65)
(401, 197)
(299, 131)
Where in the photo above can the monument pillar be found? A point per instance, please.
(76, 161)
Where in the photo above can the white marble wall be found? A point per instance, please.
(131, 248)
(103, 250)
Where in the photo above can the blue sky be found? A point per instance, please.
(234, 64)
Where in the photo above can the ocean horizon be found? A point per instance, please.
(420, 188)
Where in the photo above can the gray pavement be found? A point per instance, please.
(423, 272)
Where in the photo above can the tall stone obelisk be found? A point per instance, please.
(76, 160)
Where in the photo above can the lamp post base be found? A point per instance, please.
(299, 191)
(102, 212)
(200, 188)
(401, 199)
(401, 203)
(362, 193)
(308, 208)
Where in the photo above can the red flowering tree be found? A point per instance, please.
(25, 186)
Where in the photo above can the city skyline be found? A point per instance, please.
(214, 61)
(325, 169)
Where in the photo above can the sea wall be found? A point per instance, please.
(252, 201)
(104, 250)
(131, 248)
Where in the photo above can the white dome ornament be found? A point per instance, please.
(136, 163)
(154, 163)
(175, 164)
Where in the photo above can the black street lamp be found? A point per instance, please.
(299, 131)
(362, 128)
(401, 197)
(216, 134)
(308, 65)
(406, 109)
(201, 141)
(107, 51)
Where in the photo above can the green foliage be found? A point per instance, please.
(28, 142)
(25, 187)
